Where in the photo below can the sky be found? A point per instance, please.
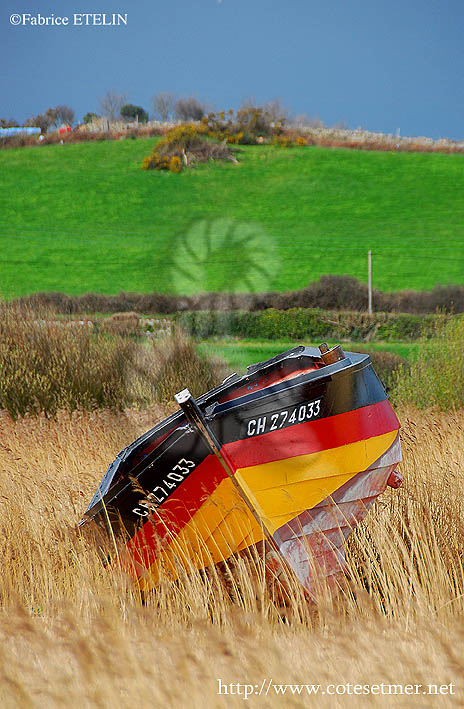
(384, 66)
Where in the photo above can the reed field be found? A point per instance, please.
(75, 633)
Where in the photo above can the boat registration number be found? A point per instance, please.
(166, 486)
(283, 418)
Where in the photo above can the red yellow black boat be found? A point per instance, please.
(293, 453)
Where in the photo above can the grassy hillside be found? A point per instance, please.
(85, 217)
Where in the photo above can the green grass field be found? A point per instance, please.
(240, 353)
(85, 217)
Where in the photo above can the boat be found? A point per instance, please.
(290, 456)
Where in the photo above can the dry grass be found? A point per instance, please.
(179, 365)
(49, 364)
(75, 633)
(436, 378)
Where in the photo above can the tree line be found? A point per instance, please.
(114, 107)
(165, 106)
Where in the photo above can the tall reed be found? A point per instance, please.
(74, 631)
(436, 378)
(50, 363)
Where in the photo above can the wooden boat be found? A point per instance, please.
(293, 453)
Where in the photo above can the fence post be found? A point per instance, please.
(369, 280)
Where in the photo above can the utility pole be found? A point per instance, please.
(369, 280)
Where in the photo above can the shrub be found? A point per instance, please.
(185, 145)
(97, 302)
(123, 324)
(331, 293)
(189, 109)
(347, 293)
(436, 378)
(49, 364)
(155, 162)
(387, 365)
(250, 125)
(131, 113)
(284, 141)
(187, 136)
(8, 123)
(179, 365)
(77, 136)
(258, 120)
(175, 164)
(334, 293)
(17, 141)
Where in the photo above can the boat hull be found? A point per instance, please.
(311, 450)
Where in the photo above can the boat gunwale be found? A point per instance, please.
(321, 372)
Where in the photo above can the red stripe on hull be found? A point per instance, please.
(178, 509)
(314, 436)
(300, 439)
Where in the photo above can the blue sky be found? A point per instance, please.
(383, 66)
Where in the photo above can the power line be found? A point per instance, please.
(210, 262)
(156, 238)
(386, 252)
(50, 230)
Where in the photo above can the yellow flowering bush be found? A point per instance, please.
(175, 164)
(184, 146)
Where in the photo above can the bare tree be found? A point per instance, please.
(111, 104)
(163, 105)
(52, 115)
(189, 109)
(341, 125)
(302, 120)
(65, 114)
(8, 123)
(276, 111)
(42, 121)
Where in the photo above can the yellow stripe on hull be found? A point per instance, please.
(283, 489)
(222, 526)
(279, 490)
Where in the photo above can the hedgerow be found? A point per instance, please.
(341, 293)
(299, 323)
(81, 136)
